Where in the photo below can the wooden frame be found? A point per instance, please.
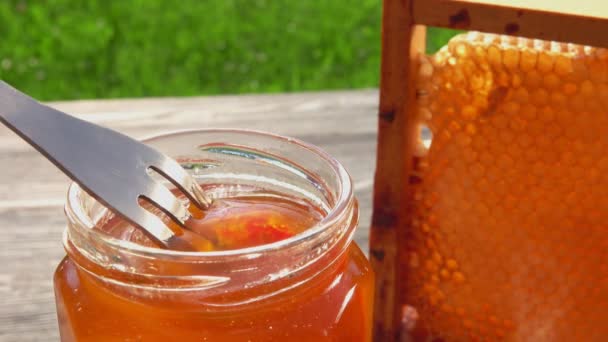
(403, 38)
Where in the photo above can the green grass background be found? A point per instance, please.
(71, 49)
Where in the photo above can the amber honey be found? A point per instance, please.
(270, 269)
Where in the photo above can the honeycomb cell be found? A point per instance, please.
(563, 65)
(545, 62)
(528, 60)
(540, 97)
(587, 88)
(509, 239)
(558, 99)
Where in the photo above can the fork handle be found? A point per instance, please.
(39, 125)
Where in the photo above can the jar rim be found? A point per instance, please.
(77, 215)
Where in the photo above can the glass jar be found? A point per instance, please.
(314, 286)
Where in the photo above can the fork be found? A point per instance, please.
(111, 167)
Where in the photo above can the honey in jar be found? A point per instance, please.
(274, 258)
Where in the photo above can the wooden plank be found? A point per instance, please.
(584, 8)
(30, 249)
(581, 22)
(32, 192)
(401, 43)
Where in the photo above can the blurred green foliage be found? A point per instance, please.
(438, 37)
(66, 49)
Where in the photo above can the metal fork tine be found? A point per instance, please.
(154, 227)
(165, 200)
(179, 177)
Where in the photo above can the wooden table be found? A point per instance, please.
(32, 191)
